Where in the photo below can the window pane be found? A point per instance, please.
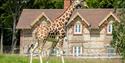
(109, 28)
(111, 51)
(76, 28)
(79, 28)
(78, 49)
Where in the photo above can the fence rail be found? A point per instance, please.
(85, 55)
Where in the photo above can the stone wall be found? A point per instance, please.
(25, 40)
(92, 41)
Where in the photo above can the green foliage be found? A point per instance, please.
(105, 3)
(119, 36)
(119, 4)
(23, 59)
(6, 16)
(10, 11)
(119, 30)
(44, 4)
(100, 3)
(9, 15)
(15, 59)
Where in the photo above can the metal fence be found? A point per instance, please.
(7, 49)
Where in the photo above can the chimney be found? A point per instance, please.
(67, 3)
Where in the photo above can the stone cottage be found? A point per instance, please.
(89, 31)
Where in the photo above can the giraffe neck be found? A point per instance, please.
(67, 14)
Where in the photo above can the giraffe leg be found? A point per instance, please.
(40, 50)
(31, 57)
(32, 50)
(47, 61)
(51, 49)
(61, 50)
(41, 60)
(40, 56)
(62, 55)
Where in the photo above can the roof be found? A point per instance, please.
(29, 15)
(92, 16)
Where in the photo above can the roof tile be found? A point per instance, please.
(93, 16)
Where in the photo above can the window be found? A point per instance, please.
(109, 28)
(78, 28)
(111, 51)
(77, 50)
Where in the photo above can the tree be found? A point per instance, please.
(100, 3)
(11, 12)
(105, 3)
(2, 23)
(118, 33)
(119, 36)
(44, 4)
(1, 38)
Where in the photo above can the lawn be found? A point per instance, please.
(23, 59)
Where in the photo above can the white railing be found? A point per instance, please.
(96, 55)
(85, 55)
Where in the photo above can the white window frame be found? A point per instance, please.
(78, 28)
(109, 28)
(77, 50)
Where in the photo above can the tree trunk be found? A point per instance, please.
(14, 34)
(1, 41)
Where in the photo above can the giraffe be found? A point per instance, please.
(56, 30)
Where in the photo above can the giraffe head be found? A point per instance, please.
(77, 2)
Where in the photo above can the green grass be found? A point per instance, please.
(23, 59)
